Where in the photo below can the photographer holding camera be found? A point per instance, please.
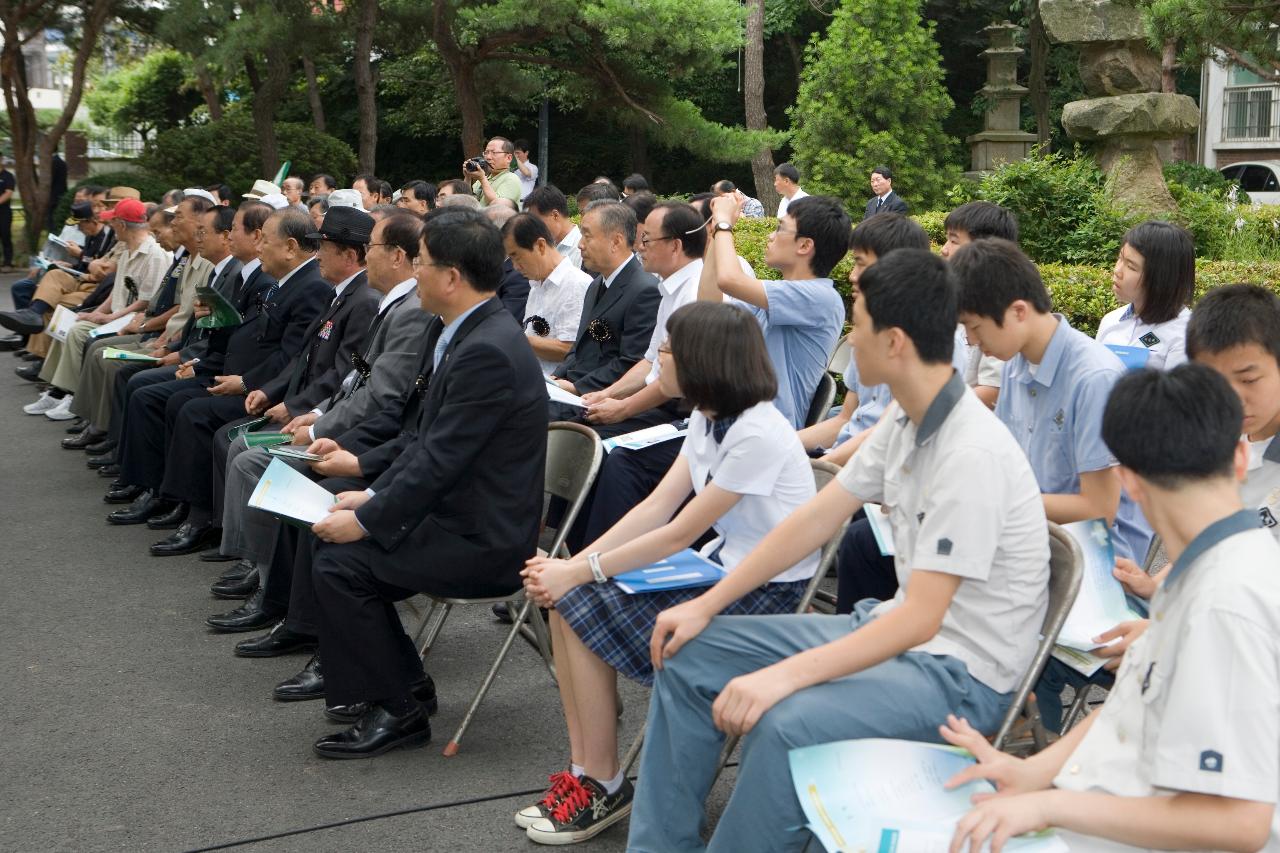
(491, 174)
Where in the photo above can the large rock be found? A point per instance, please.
(1119, 69)
(1135, 176)
(1085, 21)
(1151, 116)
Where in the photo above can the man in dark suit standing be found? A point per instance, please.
(454, 506)
(885, 199)
(618, 314)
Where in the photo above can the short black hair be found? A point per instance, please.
(507, 146)
(635, 182)
(547, 198)
(456, 185)
(615, 218)
(371, 181)
(222, 191)
(320, 201)
(256, 214)
(990, 275)
(293, 224)
(1174, 426)
(982, 219)
(198, 204)
(384, 189)
(93, 189)
(881, 234)
(1234, 315)
(223, 217)
(788, 171)
(1168, 268)
(468, 242)
(328, 180)
(723, 186)
(525, 229)
(823, 220)
(521, 145)
(642, 204)
(884, 172)
(596, 192)
(722, 364)
(908, 289)
(682, 222)
(421, 190)
(402, 230)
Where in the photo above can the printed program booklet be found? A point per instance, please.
(685, 569)
(266, 439)
(289, 451)
(880, 528)
(61, 322)
(126, 355)
(559, 395)
(886, 796)
(223, 313)
(1134, 358)
(293, 497)
(643, 438)
(111, 328)
(1100, 605)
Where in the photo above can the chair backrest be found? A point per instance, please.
(823, 397)
(1066, 567)
(574, 455)
(823, 474)
(840, 356)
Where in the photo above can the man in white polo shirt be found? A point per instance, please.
(1185, 754)
(557, 289)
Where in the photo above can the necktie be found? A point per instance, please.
(439, 353)
(879, 202)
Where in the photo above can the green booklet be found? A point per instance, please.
(240, 429)
(266, 439)
(126, 355)
(223, 315)
(288, 451)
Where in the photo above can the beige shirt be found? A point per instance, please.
(195, 275)
(146, 267)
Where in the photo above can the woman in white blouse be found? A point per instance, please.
(1155, 275)
(742, 470)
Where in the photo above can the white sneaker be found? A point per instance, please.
(62, 411)
(46, 402)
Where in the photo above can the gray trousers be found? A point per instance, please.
(906, 697)
(97, 378)
(249, 533)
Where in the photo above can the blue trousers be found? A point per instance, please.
(906, 697)
(22, 291)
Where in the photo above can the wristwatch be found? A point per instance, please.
(724, 225)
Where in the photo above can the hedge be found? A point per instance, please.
(1081, 292)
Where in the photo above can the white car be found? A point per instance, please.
(1260, 179)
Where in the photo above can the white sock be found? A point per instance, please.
(576, 770)
(612, 785)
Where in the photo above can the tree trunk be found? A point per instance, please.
(313, 94)
(212, 100)
(462, 72)
(1036, 78)
(366, 85)
(1169, 85)
(268, 91)
(753, 94)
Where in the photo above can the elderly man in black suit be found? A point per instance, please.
(885, 199)
(454, 504)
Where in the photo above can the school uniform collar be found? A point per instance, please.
(1272, 453)
(936, 415)
(394, 294)
(1053, 353)
(1224, 528)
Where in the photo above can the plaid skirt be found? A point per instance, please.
(618, 627)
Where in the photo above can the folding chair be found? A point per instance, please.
(840, 356)
(823, 473)
(574, 454)
(824, 396)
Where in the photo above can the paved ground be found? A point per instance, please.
(131, 727)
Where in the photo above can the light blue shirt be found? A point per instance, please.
(1054, 411)
(447, 335)
(800, 326)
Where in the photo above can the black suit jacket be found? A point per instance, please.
(337, 332)
(458, 508)
(624, 315)
(893, 203)
(275, 330)
(513, 290)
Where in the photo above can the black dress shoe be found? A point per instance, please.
(25, 322)
(11, 343)
(143, 507)
(239, 571)
(376, 732)
(501, 612)
(101, 461)
(236, 588)
(280, 641)
(77, 426)
(109, 471)
(188, 539)
(171, 519)
(30, 357)
(307, 684)
(83, 439)
(30, 372)
(424, 692)
(19, 353)
(253, 615)
(123, 495)
(216, 556)
(104, 445)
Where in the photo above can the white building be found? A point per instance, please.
(1239, 116)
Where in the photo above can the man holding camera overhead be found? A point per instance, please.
(491, 174)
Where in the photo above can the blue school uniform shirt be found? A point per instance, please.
(801, 325)
(1054, 410)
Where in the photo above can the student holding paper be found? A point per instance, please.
(973, 566)
(747, 471)
(1183, 754)
(1155, 275)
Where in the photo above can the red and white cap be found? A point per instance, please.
(127, 210)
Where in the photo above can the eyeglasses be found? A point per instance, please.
(781, 230)
(664, 350)
(391, 246)
(646, 240)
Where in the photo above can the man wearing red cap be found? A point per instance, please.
(140, 270)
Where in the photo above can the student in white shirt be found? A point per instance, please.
(974, 569)
(1185, 753)
(1154, 279)
(557, 289)
(746, 471)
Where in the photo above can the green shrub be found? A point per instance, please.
(227, 152)
(931, 221)
(149, 186)
(1202, 179)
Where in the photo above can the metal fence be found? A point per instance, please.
(1251, 114)
(115, 145)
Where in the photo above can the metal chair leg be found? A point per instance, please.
(439, 613)
(541, 635)
(451, 748)
(633, 751)
(1077, 710)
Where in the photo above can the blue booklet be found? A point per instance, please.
(683, 570)
(1100, 604)
(1134, 358)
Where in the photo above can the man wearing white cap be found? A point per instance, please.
(261, 188)
(346, 198)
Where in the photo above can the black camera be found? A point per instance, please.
(477, 164)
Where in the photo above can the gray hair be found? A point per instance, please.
(293, 224)
(467, 202)
(615, 218)
(499, 214)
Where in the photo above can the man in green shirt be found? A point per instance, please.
(500, 182)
